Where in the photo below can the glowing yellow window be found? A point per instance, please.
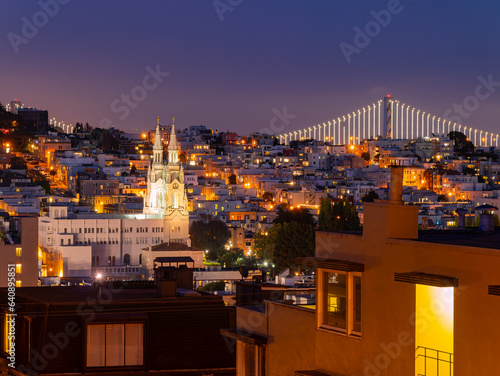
(434, 342)
(19, 251)
(18, 283)
(18, 268)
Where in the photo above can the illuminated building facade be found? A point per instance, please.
(19, 248)
(113, 242)
(390, 301)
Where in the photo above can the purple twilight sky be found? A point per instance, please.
(233, 63)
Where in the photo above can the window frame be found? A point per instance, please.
(350, 294)
(114, 322)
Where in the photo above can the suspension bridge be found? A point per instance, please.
(386, 119)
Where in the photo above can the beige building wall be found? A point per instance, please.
(291, 335)
(389, 244)
(26, 257)
(388, 307)
(292, 329)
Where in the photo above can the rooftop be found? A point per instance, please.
(78, 294)
(165, 247)
(463, 237)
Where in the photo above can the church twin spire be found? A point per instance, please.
(158, 146)
(173, 148)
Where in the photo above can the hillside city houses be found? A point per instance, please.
(107, 206)
(94, 211)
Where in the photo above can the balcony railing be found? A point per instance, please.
(432, 362)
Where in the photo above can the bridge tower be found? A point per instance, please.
(387, 120)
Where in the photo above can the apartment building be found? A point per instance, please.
(133, 328)
(19, 248)
(391, 300)
(105, 241)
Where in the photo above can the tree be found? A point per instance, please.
(462, 146)
(18, 163)
(325, 214)
(8, 120)
(267, 196)
(211, 236)
(300, 215)
(15, 132)
(370, 197)
(469, 171)
(365, 156)
(290, 236)
(213, 286)
(442, 198)
(342, 216)
(133, 170)
(293, 240)
(39, 179)
(106, 140)
(87, 128)
(232, 258)
(232, 179)
(78, 128)
(264, 242)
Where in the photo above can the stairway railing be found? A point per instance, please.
(436, 362)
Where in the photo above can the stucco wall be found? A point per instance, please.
(388, 307)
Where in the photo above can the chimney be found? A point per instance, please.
(486, 222)
(486, 217)
(169, 278)
(396, 186)
(390, 218)
(461, 217)
(166, 282)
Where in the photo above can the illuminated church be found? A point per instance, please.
(113, 244)
(166, 195)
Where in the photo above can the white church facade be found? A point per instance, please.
(112, 244)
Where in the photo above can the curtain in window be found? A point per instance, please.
(95, 345)
(133, 345)
(114, 345)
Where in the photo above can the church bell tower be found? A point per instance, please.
(176, 210)
(154, 199)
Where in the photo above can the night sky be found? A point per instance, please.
(264, 54)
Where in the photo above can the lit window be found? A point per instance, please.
(18, 283)
(341, 301)
(18, 268)
(19, 251)
(115, 345)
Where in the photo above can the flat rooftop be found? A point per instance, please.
(79, 294)
(464, 237)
